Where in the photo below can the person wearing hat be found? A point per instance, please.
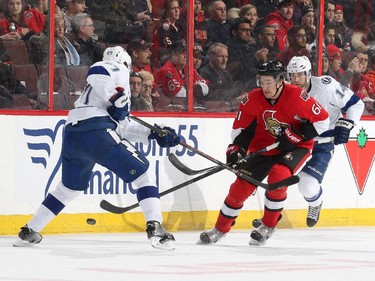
(281, 20)
(342, 31)
(335, 70)
(297, 9)
(307, 21)
(139, 51)
(171, 77)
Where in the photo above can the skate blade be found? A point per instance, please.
(166, 246)
(256, 243)
(22, 243)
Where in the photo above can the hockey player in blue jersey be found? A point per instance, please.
(98, 131)
(335, 98)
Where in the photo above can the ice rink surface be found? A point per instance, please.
(316, 254)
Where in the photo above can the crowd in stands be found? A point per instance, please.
(231, 38)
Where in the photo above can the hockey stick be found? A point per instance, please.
(105, 205)
(276, 185)
(187, 171)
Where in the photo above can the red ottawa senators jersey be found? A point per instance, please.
(293, 108)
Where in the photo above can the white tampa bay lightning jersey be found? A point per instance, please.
(103, 78)
(335, 99)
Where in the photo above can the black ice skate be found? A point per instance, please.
(258, 222)
(210, 236)
(159, 237)
(260, 235)
(27, 237)
(313, 215)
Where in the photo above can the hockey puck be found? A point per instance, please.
(91, 221)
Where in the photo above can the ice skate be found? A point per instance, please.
(313, 215)
(159, 237)
(27, 237)
(260, 235)
(210, 236)
(258, 222)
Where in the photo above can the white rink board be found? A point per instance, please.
(30, 149)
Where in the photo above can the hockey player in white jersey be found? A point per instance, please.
(98, 131)
(335, 98)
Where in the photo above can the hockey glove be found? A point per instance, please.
(289, 139)
(342, 130)
(235, 156)
(169, 137)
(120, 105)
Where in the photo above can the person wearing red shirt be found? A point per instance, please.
(14, 13)
(171, 77)
(275, 112)
(35, 18)
(297, 38)
(281, 20)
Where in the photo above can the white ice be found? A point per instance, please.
(316, 254)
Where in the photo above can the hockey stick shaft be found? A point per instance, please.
(212, 159)
(105, 205)
(187, 171)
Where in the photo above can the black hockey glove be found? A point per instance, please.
(289, 139)
(342, 130)
(168, 139)
(120, 105)
(235, 156)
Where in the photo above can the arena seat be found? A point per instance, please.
(17, 51)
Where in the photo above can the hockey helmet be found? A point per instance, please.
(118, 54)
(299, 64)
(271, 68)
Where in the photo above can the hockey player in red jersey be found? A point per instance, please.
(275, 112)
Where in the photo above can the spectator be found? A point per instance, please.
(336, 71)
(218, 78)
(250, 12)
(265, 47)
(308, 22)
(197, 56)
(342, 31)
(135, 82)
(218, 30)
(171, 77)
(65, 53)
(168, 32)
(325, 63)
(329, 34)
(329, 11)
(360, 84)
(297, 44)
(139, 51)
(122, 23)
(72, 8)
(13, 13)
(200, 24)
(147, 96)
(281, 20)
(35, 18)
(264, 7)
(297, 10)
(89, 50)
(10, 87)
(240, 54)
(233, 13)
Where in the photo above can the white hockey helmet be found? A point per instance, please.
(118, 54)
(299, 64)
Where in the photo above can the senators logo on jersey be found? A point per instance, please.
(273, 126)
